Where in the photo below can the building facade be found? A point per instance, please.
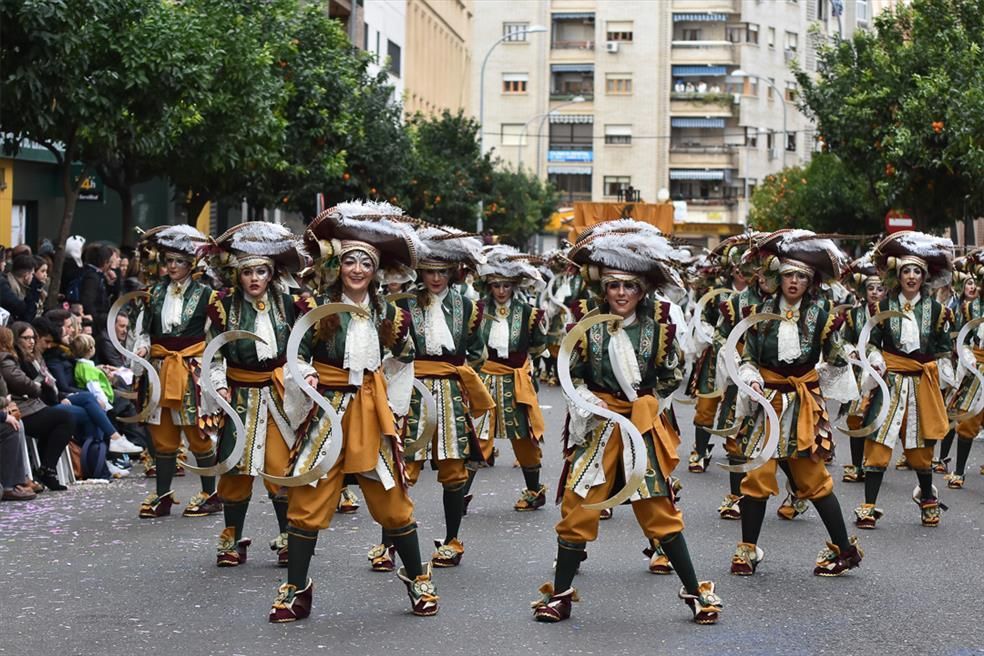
(438, 55)
(688, 100)
(384, 31)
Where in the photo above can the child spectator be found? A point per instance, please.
(87, 375)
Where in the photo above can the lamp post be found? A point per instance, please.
(522, 138)
(533, 29)
(740, 73)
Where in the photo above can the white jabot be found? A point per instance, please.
(499, 334)
(789, 338)
(623, 358)
(173, 305)
(264, 329)
(437, 335)
(361, 344)
(909, 340)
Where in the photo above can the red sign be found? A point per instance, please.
(897, 221)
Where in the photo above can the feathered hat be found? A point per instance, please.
(448, 247)
(792, 249)
(861, 272)
(629, 247)
(375, 228)
(155, 242)
(505, 263)
(934, 255)
(969, 266)
(252, 244)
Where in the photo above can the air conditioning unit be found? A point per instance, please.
(611, 46)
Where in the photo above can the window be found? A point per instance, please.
(619, 31)
(752, 33)
(514, 83)
(733, 33)
(861, 9)
(618, 135)
(571, 136)
(751, 87)
(770, 140)
(378, 51)
(572, 186)
(791, 91)
(821, 10)
(515, 32)
(691, 34)
(393, 53)
(772, 37)
(615, 183)
(791, 142)
(792, 41)
(513, 134)
(365, 37)
(768, 91)
(751, 137)
(618, 84)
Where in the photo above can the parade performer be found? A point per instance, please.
(447, 340)
(256, 259)
(616, 433)
(175, 322)
(563, 288)
(795, 363)
(869, 291)
(963, 400)
(514, 334)
(914, 348)
(350, 352)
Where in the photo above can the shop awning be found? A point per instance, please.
(572, 68)
(571, 118)
(696, 174)
(573, 15)
(686, 122)
(699, 71)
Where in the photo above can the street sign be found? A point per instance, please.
(898, 220)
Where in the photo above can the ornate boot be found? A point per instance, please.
(930, 509)
(955, 481)
(448, 554)
(382, 558)
(696, 463)
(552, 607)
(231, 553)
(423, 595)
(292, 604)
(202, 505)
(831, 562)
(279, 544)
(730, 507)
(853, 474)
(530, 500)
(791, 507)
(746, 559)
(705, 605)
(348, 502)
(658, 562)
(157, 506)
(866, 515)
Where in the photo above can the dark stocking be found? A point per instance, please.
(300, 548)
(701, 439)
(208, 482)
(408, 546)
(454, 506)
(926, 483)
(946, 444)
(830, 514)
(569, 557)
(963, 452)
(752, 516)
(166, 466)
(235, 515)
(280, 508)
(532, 477)
(675, 548)
(857, 451)
(872, 483)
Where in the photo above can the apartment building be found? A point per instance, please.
(693, 100)
(384, 31)
(439, 53)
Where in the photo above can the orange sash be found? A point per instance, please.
(810, 411)
(257, 377)
(978, 354)
(479, 399)
(174, 372)
(525, 392)
(644, 415)
(367, 418)
(933, 421)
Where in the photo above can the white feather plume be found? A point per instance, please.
(181, 238)
(443, 245)
(509, 262)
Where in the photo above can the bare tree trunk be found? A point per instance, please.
(70, 188)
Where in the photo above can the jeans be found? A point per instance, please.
(90, 418)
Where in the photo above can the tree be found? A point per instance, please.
(824, 196)
(519, 206)
(903, 107)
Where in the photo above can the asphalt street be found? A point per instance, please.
(81, 574)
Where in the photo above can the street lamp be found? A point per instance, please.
(533, 29)
(741, 73)
(522, 138)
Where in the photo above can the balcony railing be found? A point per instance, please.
(703, 52)
(559, 95)
(572, 45)
(704, 149)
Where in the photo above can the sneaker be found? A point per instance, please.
(705, 605)
(866, 516)
(746, 559)
(115, 471)
(348, 502)
(231, 553)
(123, 445)
(122, 461)
(831, 562)
(279, 544)
(730, 507)
(203, 504)
(552, 607)
(154, 506)
(658, 562)
(423, 595)
(530, 500)
(291, 604)
(448, 554)
(382, 558)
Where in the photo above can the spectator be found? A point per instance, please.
(34, 391)
(72, 268)
(42, 265)
(93, 293)
(12, 462)
(105, 351)
(54, 332)
(87, 375)
(20, 291)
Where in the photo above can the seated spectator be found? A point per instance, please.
(36, 395)
(54, 331)
(87, 375)
(105, 351)
(12, 461)
(20, 291)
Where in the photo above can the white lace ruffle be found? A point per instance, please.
(580, 422)
(437, 336)
(837, 383)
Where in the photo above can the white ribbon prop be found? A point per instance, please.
(153, 379)
(970, 364)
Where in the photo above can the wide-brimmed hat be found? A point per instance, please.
(934, 255)
(629, 246)
(449, 247)
(377, 228)
(861, 272)
(252, 244)
(180, 238)
(505, 263)
(793, 249)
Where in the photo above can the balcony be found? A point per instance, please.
(706, 6)
(712, 210)
(703, 52)
(572, 45)
(702, 104)
(692, 155)
(572, 31)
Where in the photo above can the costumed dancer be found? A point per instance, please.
(963, 403)
(364, 363)
(514, 334)
(562, 289)
(795, 363)
(447, 340)
(869, 292)
(616, 433)
(914, 348)
(257, 259)
(175, 323)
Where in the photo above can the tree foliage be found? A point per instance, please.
(903, 107)
(824, 196)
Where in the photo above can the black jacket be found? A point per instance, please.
(20, 310)
(94, 297)
(61, 366)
